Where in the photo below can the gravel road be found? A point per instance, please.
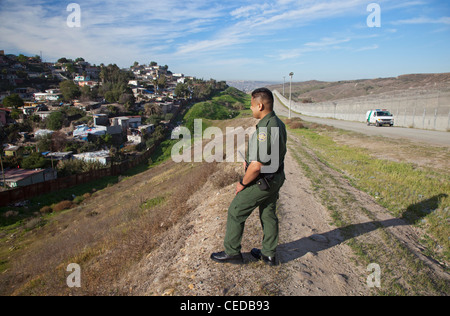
(435, 138)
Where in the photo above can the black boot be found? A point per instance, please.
(222, 257)
(271, 261)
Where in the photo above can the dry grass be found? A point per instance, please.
(295, 123)
(61, 206)
(105, 236)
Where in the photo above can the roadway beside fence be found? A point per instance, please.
(413, 109)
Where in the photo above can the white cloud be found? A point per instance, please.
(200, 47)
(111, 31)
(243, 12)
(423, 20)
(366, 48)
(327, 42)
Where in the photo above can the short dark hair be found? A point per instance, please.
(266, 97)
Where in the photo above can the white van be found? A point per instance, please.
(379, 118)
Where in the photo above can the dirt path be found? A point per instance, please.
(311, 250)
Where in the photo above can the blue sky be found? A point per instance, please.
(239, 40)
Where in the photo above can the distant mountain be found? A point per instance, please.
(249, 86)
(320, 91)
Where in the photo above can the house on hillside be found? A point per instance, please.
(134, 121)
(166, 107)
(49, 95)
(21, 177)
(59, 155)
(83, 131)
(13, 151)
(102, 157)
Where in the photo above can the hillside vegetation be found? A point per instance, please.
(224, 105)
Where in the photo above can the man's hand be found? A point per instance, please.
(253, 171)
(239, 188)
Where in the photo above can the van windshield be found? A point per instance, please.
(384, 113)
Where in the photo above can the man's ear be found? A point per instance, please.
(261, 106)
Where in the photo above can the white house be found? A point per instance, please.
(49, 95)
(98, 156)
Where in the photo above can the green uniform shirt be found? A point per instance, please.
(268, 143)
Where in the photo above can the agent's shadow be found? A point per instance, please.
(318, 242)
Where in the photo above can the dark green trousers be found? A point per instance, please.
(242, 207)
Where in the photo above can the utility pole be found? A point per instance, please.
(290, 94)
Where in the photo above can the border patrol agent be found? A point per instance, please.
(260, 186)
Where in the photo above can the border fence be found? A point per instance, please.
(422, 109)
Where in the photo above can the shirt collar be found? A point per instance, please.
(265, 121)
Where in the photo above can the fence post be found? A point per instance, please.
(435, 117)
(448, 124)
(423, 121)
(404, 120)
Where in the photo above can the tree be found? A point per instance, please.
(128, 99)
(69, 90)
(44, 143)
(63, 60)
(34, 161)
(70, 68)
(59, 141)
(162, 82)
(55, 121)
(22, 59)
(152, 109)
(112, 96)
(182, 90)
(13, 101)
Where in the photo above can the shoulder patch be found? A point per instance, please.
(262, 136)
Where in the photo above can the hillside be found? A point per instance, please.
(112, 231)
(319, 91)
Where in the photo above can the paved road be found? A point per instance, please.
(417, 135)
